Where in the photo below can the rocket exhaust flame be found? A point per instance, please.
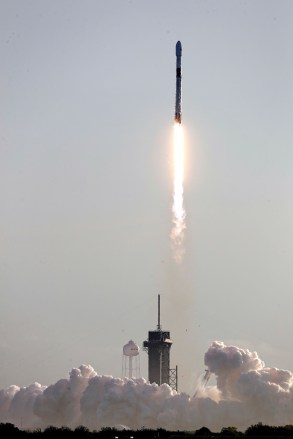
(178, 211)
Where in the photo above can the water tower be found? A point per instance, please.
(131, 360)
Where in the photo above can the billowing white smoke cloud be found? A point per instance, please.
(246, 393)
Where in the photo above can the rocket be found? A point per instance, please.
(178, 114)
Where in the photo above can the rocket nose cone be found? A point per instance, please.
(178, 48)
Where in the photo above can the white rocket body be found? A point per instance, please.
(178, 110)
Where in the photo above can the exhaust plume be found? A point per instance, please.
(178, 211)
(246, 392)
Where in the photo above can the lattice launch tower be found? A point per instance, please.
(158, 347)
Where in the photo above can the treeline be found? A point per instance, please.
(257, 431)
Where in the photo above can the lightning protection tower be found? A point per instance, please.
(158, 347)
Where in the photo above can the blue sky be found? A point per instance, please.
(87, 105)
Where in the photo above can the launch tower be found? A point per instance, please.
(158, 347)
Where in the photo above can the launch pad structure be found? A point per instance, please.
(158, 348)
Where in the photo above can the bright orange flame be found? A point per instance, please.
(177, 233)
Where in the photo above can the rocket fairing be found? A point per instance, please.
(178, 113)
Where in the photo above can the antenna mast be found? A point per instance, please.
(159, 312)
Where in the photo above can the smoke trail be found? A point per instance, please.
(178, 211)
(246, 393)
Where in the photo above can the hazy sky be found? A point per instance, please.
(87, 96)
